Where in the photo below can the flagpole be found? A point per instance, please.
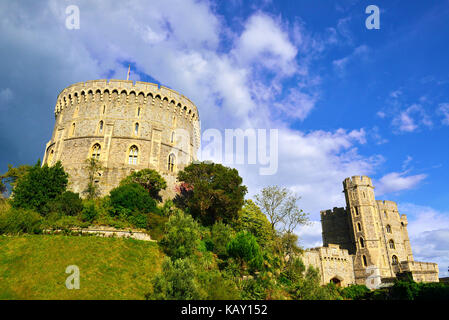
(129, 69)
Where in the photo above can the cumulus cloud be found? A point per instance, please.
(443, 110)
(340, 64)
(398, 181)
(411, 118)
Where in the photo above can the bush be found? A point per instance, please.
(149, 179)
(40, 186)
(176, 282)
(131, 197)
(182, 236)
(355, 292)
(89, 212)
(221, 235)
(17, 221)
(68, 203)
(245, 248)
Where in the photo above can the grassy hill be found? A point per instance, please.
(33, 267)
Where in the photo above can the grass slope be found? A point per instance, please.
(33, 267)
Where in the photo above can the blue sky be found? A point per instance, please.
(346, 100)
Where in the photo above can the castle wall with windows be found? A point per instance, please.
(127, 126)
(374, 233)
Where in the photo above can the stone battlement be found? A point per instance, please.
(132, 90)
(357, 181)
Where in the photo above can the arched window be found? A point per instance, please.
(388, 228)
(394, 260)
(391, 244)
(356, 211)
(100, 127)
(362, 243)
(359, 226)
(136, 129)
(365, 263)
(171, 162)
(72, 130)
(138, 111)
(133, 154)
(96, 149)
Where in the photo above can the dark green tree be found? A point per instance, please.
(245, 249)
(11, 176)
(252, 219)
(211, 192)
(131, 197)
(149, 179)
(40, 186)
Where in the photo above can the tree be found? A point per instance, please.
(131, 197)
(40, 186)
(252, 219)
(280, 205)
(92, 167)
(182, 236)
(211, 192)
(11, 176)
(149, 179)
(245, 248)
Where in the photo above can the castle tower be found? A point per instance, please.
(127, 126)
(366, 229)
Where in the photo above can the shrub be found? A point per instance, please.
(68, 203)
(355, 292)
(253, 220)
(182, 235)
(17, 221)
(156, 225)
(149, 179)
(176, 282)
(245, 248)
(89, 212)
(221, 235)
(131, 197)
(40, 186)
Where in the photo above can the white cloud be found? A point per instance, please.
(443, 110)
(411, 118)
(429, 234)
(398, 181)
(340, 64)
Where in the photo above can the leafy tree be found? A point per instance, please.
(280, 206)
(355, 292)
(211, 192)
(149, 179)
(131, 197)
(252, 219)
(182, 236)
(89, 212)
(177, 281)
(92, 166)
(245, 248)
(221, 234)
(12, 176)
(39, 186)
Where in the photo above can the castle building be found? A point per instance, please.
(367, 242)
(127, 126)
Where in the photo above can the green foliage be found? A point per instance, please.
(355, 292)
(177, 281)
(182, 236)
(92, 166)
(156, 225)
(252, 219)
(131, 197)
(410, 290)
(245, 248)
(68, 203)
(12, 176)
(39, 186)
(89, 212)
(18, 220)
(221, 235)
(149, 179)
(211, 192)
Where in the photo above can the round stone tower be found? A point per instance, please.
(127, 127)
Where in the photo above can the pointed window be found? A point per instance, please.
(394, 260)
(136, 129)
(365, 263)
(362, 243)
(100, 127)
(391, 244)
(359, 226)
(133, 154)
(171, 162)
(388, 228)
(96, 150)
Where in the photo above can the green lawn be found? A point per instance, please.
(33, 267)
